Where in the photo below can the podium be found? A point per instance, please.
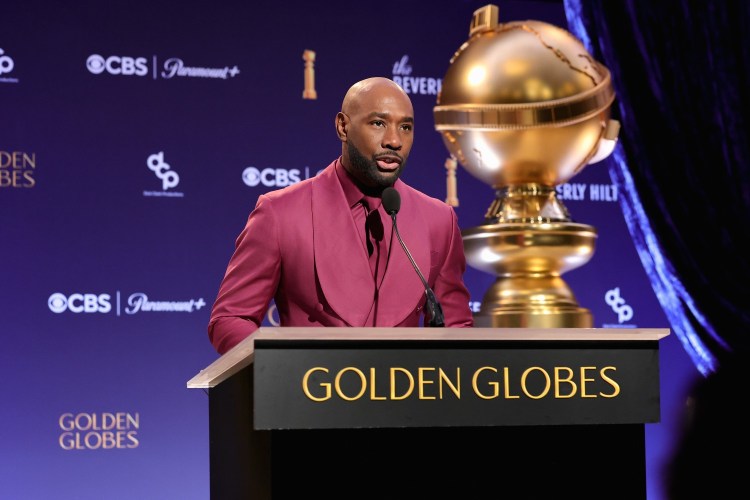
(432, 413)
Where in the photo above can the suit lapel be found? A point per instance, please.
(341, 261)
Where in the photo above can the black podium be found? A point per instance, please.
(432, 413)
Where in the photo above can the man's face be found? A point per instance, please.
(380, 134)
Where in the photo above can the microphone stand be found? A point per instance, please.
(434, 309)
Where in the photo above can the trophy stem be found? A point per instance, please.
(526, 203)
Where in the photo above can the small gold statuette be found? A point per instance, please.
(309, 93)
(451, 189)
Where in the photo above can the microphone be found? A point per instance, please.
(392, 204)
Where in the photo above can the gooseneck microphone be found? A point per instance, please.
(392, 204)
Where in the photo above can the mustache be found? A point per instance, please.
(388, 154)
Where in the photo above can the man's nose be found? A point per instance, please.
(392, 139)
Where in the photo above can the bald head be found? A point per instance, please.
(367, 89)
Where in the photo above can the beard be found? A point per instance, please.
(366, 170)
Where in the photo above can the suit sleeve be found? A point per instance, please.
(449, 286)
(250, 281)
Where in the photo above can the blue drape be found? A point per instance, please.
(681, 73)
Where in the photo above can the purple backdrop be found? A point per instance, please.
(134, 141)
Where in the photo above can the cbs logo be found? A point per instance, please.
(116, 65)
(79, 302)
(270, 177)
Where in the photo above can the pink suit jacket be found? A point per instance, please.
(300, 247)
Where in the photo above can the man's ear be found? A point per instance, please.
(342, 126)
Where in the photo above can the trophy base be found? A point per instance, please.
(528, 260)
(576, 317)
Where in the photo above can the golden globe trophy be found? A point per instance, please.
(523, 107)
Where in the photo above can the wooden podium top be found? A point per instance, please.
(242, 354)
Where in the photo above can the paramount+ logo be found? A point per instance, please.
(99, 431)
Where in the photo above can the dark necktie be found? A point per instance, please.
(374, 234)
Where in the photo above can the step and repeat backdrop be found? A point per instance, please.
(135, 138)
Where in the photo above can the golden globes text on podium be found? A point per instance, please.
(420, 413)
(523, 107)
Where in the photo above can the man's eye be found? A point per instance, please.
(378, 123)
(406, 127)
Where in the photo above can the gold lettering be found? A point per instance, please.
(17, 160)
(92, 431)
(28, 175)
(456, 388)
(362, 379)
(132, 437)
(559, 378)
(525, 376)
(493, 385)
(325, 385)
(17, 178)
(66, 441)
(615, 385)
(506, 377)
(133, 422)
(372, 387)
(29, 161)
(410, 388)
(5, 159)
(109, 421)
(422, 382)
(66, 422)
(584, 379)
(98, 440)
(84, 421)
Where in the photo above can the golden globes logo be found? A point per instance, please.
(17, 169)
(99, 431)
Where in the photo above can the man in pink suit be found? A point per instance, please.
(325, 250)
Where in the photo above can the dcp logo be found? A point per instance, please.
(6, 63)
(169, 178)
(270, 177)
(117, 65)
(79, 302)
(624, 311)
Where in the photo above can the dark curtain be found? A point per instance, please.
(682, 163)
